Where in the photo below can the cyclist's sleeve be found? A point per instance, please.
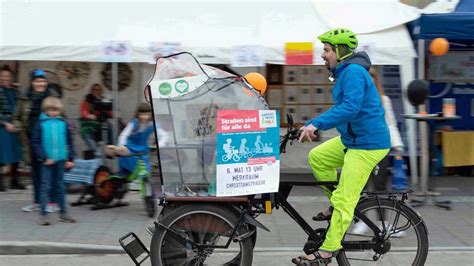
(352, 84)
(126, 132)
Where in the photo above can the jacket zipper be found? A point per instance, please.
(351, 133)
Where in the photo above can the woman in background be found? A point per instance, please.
(11, 151)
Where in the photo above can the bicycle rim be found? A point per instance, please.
(202, 227)
(407, 243)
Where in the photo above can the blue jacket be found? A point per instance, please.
(358, 113)
(52, 139)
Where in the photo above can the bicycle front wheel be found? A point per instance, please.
(406, 236)
(202, 224)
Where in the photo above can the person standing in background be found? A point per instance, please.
(382, 179)
(11, 149)
(26, 117)
(53, 146)
(91, 119)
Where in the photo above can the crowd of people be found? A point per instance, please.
(33, 130)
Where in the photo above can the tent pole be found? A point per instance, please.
(116, 101)
(407, 74)
(424, 137)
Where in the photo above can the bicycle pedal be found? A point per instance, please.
(135, 248)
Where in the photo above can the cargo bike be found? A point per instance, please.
(197, 228)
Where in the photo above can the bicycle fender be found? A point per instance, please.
(252, 221)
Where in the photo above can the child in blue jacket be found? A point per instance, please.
(53, 146)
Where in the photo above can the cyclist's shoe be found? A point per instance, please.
(322, 217)
(318, 260)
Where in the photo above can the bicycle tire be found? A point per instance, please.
(220, 219)
(409, 214)
(103, 188)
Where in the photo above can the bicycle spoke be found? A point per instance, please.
(202, 228)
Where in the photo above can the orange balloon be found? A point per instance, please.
(439, 46)
(257, 81)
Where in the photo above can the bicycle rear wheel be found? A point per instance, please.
(103, 188)
(203, 224)
(407, 238)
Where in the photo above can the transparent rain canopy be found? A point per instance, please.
(185, 99)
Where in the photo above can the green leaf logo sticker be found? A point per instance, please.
(165, 89)
(181, 86)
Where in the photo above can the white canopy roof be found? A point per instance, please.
(72, 30)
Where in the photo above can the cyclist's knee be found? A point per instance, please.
(315, 158)
(314, 153)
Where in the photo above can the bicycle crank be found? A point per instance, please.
(312, 246)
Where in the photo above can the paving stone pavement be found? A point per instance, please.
(447, 229)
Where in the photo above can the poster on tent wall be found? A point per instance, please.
(162, 49)
(452, 67)
(247, 56)
(299, 53)
(248, 159)
(115, 51)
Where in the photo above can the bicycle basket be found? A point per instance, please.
(185, 97)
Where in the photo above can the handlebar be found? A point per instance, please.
(291, 134)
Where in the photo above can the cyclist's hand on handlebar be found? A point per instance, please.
(308, 133)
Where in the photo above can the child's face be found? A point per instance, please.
(53, 113)
(144, 117)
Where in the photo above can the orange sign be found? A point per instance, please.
(299, 53)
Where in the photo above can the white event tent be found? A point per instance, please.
(74, 30)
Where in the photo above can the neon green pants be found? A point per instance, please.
(356, 168)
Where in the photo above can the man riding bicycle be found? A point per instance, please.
(364, 138)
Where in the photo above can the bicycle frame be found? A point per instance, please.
(380, 235)
(280, 200)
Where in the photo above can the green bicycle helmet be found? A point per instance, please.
(339, 36)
